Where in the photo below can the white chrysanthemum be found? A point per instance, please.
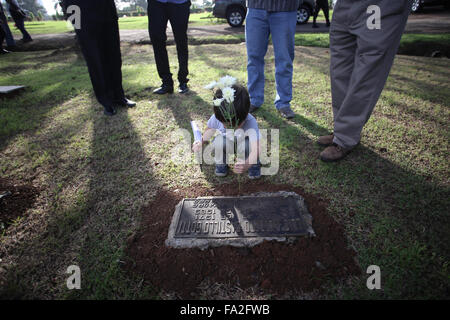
(226, 81)
(228, 94)
(211, 86)
(217, 102)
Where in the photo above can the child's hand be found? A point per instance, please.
(241, 167)
(197, 146)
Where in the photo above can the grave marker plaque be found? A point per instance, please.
(239, 221)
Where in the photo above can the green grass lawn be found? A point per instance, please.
(96, 173)
(410, 41)
(133, 23)
(41, 27)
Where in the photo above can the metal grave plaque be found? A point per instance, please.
(239, 220)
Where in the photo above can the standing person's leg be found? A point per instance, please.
(342, 54)
(157, 23)
(376, 50)
(179, 19)
(342, 59)
(8, 35)
(20, 23)
(316, 10)
(2, 37)
(326, 12)
(113, 60)
(257, 39)
(90, 39)
(282, 28)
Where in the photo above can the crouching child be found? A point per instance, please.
(237, 141)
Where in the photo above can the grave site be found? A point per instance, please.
(256, 241)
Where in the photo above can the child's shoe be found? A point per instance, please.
(254, 172)
(221, 170)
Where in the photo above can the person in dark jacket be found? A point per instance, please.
(99, 39)
(19, 16)
(321, 4)
(159, 13)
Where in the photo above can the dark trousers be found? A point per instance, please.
(158, 16)
(100, 44)
(2, 37)
(322, 4)
(20, 23)
(8, 35)
(361, 59)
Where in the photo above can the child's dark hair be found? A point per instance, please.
(241, 105)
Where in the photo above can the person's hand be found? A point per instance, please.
(241, 167)
(197, 146)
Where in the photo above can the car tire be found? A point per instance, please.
(235, 16)
(416, 6)
(303, 15)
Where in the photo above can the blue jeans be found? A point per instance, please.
(260, 24)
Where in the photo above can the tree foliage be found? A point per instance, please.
(33, 6)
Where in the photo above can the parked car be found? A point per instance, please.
(235, 10)
(419, 4)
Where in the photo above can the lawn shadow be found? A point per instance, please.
(121, 183)
(45, 91)
(207, 55)
(91, 212)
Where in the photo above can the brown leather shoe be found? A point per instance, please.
(334, 153)
(325, 141)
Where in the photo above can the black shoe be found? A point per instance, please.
(4, 51)
(315, 25)
(126, 103)
(163, 89)
(183, 88)
(287, 112)
(328, 24)
(253, 109)
(109, 111)
(27, 40)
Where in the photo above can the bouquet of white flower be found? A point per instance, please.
(225, 103)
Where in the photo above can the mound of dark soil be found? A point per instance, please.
(17, 200)
(275, 267)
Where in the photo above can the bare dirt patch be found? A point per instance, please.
(273, 267)
(16, 201)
